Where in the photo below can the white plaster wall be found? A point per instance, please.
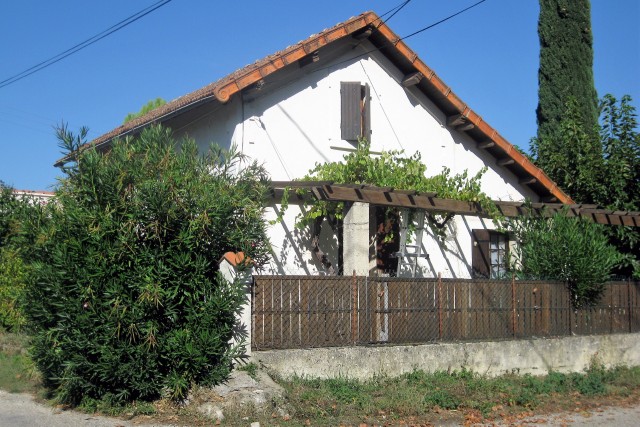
(242, 328)
(453, 257)
(218, 126)
(292, 128)
(292, 246)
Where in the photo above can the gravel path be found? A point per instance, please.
(620, 417)
(20, 410)
(612, 416)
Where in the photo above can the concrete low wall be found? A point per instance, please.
(535, 356)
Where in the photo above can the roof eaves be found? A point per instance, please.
(471, 115)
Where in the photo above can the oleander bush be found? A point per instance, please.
(569, 249)
(12, 278)
(124, 296)
(13, 269)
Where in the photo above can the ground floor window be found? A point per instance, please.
(498, 246)
(490, 254)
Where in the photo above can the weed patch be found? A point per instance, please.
(17, 372)
(110, 406)
(251, 369)
(442, 399)
(422, 394)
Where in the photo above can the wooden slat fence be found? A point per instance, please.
(330, 311)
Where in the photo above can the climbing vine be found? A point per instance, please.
(396, 170)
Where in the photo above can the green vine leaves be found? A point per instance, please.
(392, 169)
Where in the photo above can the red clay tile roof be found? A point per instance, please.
(391, 46)
(43, 193)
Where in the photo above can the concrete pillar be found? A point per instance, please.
(228, 268)
(355, 239)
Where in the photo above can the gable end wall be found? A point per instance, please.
(293, 122)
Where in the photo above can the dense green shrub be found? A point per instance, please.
(568, 249)
(125, 298)
(8, 206)
(13, 245)
(12, 277)
(151, 105)
(601, 168)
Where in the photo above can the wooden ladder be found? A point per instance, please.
(409, 253)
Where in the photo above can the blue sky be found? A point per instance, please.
(488, 55)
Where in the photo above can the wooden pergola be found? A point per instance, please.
(386, 196)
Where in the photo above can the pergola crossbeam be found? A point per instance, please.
(388, 196)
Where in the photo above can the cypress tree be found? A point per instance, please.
(566, 67)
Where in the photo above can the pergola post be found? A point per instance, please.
(355, 240)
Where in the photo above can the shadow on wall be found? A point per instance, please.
(507, 178)
(293, 255)
(292, 249)
(450, 257)
(240, 332)
(272, 102)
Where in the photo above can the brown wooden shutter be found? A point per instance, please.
(350, 111)
(480, 254)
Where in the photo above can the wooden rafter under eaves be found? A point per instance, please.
(381, 196)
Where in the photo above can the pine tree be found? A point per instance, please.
(566, 67)
(151, 105)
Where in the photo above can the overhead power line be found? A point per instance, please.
(397, 9)
(405, 37)
(394, 10)
(443, 20)
(120, 25)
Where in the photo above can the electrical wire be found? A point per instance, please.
(399, 5)
(44, 64)
(398, 9)
(393, 11)
(403, 38)
(443, 20)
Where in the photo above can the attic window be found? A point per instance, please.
(355, 111)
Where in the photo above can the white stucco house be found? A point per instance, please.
(311, 102)
(34, 196)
